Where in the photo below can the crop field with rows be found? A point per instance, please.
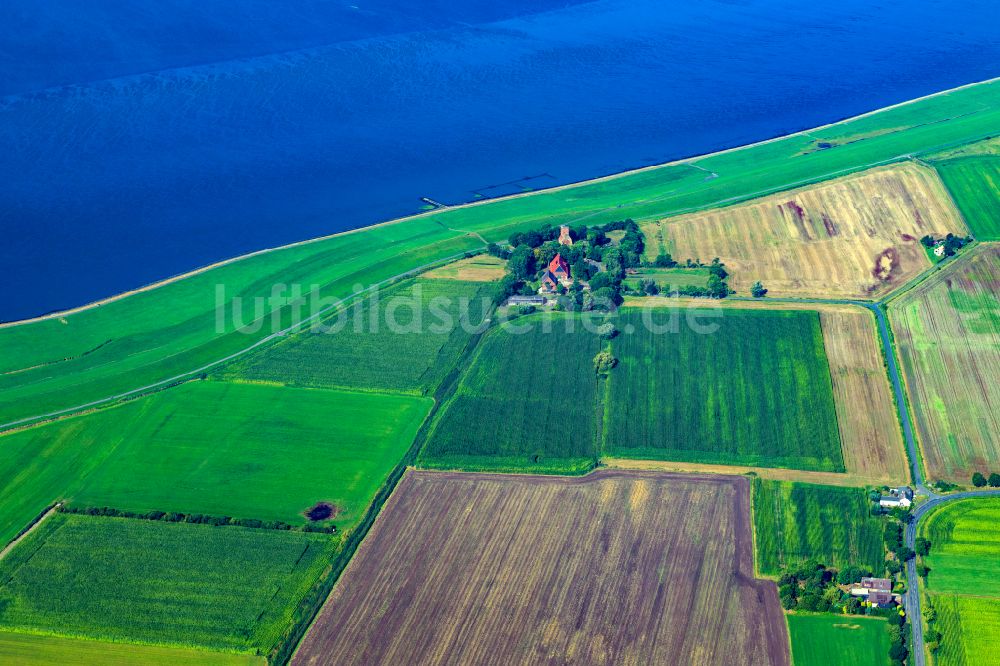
(794, 522)
(404, 340)
(230, 588)
(947, 331)
(752, 387)
(528, 402)
(974, 183)
(512, 569)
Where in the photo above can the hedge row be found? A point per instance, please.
(196, 518)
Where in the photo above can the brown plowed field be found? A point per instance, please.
(853, 237)
(612, 568)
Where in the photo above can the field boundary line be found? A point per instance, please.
(840, 479)
(32, 526)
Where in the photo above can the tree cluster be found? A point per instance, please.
(813, 587)
(979, 481)
(952, 243)
(196, 518)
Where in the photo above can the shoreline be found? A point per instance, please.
(59, 314)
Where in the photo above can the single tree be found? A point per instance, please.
(994, 480)
(978, 480)
(922, 546)
(757, 290)
(604, 362)
(664, 260)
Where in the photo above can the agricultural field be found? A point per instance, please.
(528, 402)
(481, 268)
(405, 339)
(669, 278)
(595, 569)
(46, 650)
(947, 332)
(795, 522)
(753, 388)
(228, 588)
(963, 585)
(866, 412)
(970, 630)
(246, 451)
(853, 237)
(974, 183)
(833, 640)
(965, 547)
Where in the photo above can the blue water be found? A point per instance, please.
(141, 139)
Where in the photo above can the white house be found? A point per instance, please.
(901, 497)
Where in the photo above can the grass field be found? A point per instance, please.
(866, 413)
(228, 588)
(481, 268)
(528, 402)
(44, 650)
(592, 570)
(404, 340)
(947, 332)
(756, 391)
(974, 183)
(854, 237)
(970, 629)
(670, 278)
(794, 522)
(59, 363)
(831, 640)
(964, 580)
(965, 547)
(241, 450)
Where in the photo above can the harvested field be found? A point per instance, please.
(601, 569)
(481, 268)
(948, 338)
(866, 411)
(853, 237)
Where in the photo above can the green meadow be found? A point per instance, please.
(46, 650)
(970, 629)
(741, 387)
(152, 336)
(974, 183)
(404, 340)
(836, 640)
(241, 450)
(794, 522)
(965, 547)
(670, 278)
(528, 402)
(228, 588)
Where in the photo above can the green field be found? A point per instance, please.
(45, 650)
(965, 547)
(835, 640)
(152, 336)
(228, 588)
(528, 402)
(970, 630)
(670, 278)
(964, 579)
(974, 183)
(241, 450)
(405, 340)
(752, 389)
(794, 522)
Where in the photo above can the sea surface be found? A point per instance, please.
(145, 138)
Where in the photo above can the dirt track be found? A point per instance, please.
(615, 567)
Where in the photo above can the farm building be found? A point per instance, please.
(564, 237)
(527, 300)
(939, 250)
(556, 273)
(901, 497)
(877, 591)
